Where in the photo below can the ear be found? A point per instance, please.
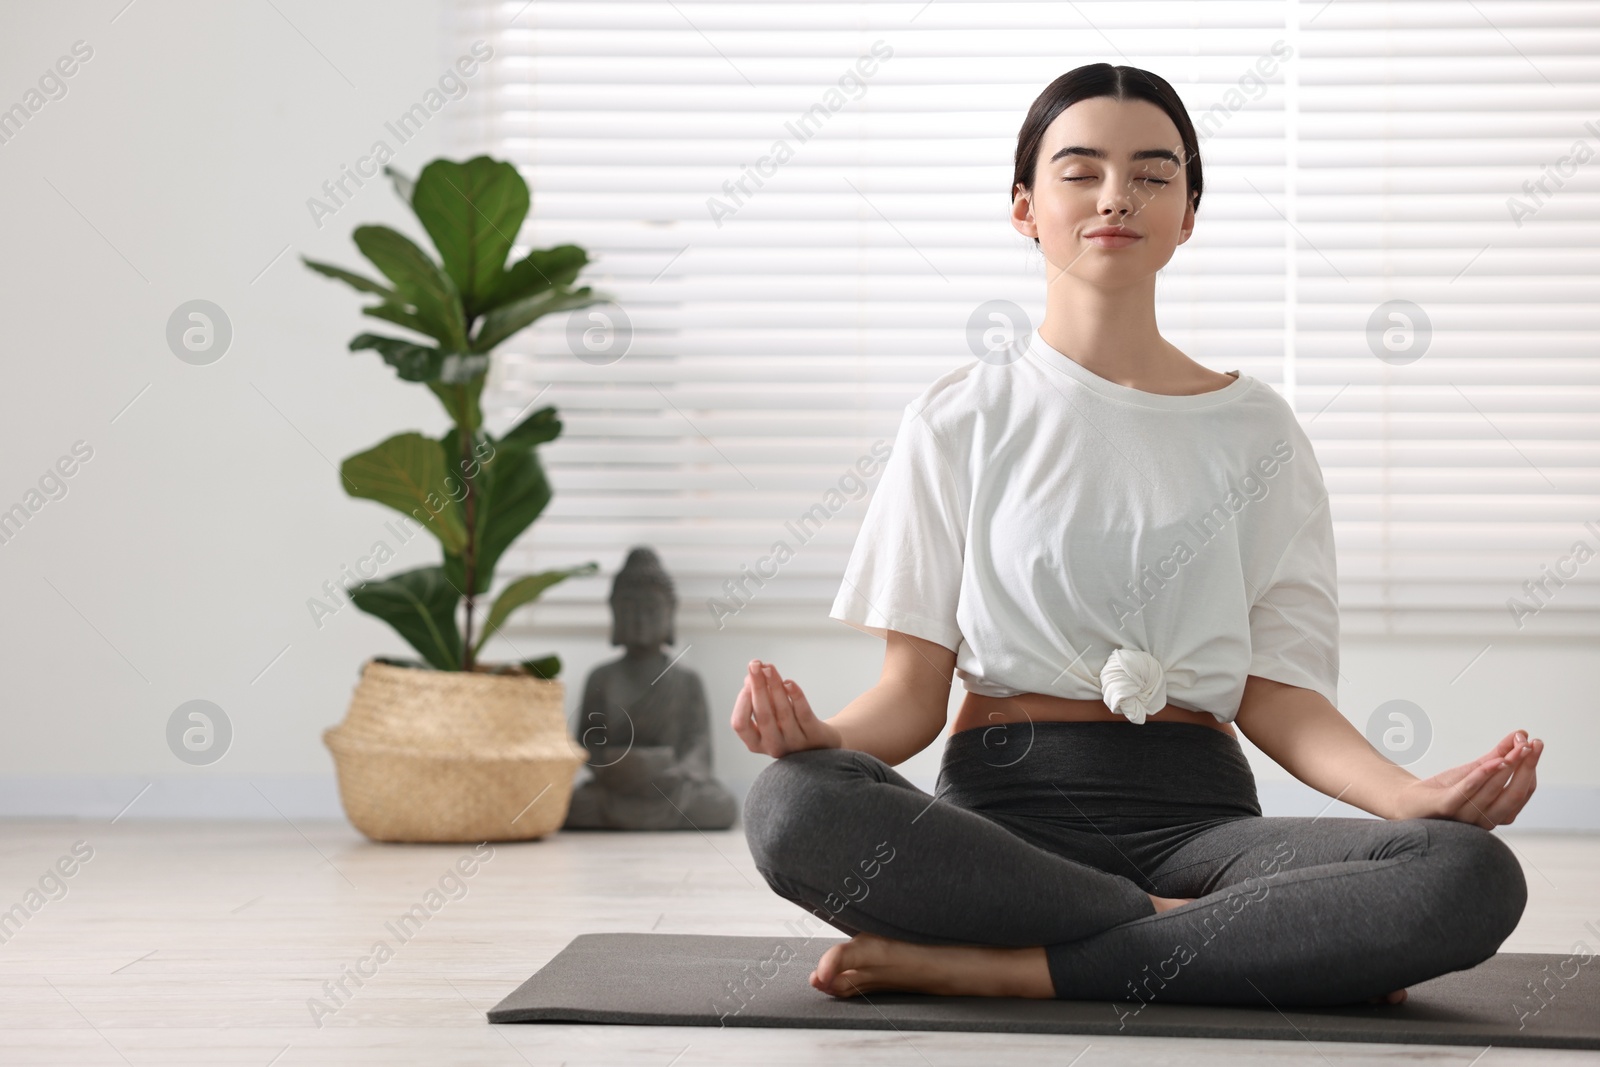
(1188, 223)
(1022, 212)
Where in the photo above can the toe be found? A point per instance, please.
(848, 984)
(827, 967)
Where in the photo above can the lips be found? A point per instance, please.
(1111, 237)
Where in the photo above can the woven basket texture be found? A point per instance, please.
(426, 755)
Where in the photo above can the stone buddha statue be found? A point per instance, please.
(644, 721)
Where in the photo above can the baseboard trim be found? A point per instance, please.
(122, 797)
(294, 797)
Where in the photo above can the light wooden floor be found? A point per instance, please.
(202, 942)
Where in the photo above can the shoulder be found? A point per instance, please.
(954, 404)
(1275, 423)
(1273, 411)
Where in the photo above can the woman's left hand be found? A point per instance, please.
(1487, 792)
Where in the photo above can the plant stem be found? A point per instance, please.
(470, 556)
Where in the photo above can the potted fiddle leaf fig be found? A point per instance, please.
(448, 748)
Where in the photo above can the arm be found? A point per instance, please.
(1305, 735)
(894, 720)
(909, 707)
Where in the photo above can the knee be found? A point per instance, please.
(1488, 890)
(795, 796)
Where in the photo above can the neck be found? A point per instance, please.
(1112, 332)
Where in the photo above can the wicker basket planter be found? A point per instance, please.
(427, 755)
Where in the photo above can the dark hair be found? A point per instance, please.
(1120, 83)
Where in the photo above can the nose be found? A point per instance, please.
(1116, 199)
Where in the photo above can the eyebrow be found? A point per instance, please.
(1100, 153)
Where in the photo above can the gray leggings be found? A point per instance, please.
(1052, 834)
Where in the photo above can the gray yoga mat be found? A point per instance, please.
(689, 980)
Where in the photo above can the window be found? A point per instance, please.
(1397, 233)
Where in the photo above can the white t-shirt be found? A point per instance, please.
(1068, 535)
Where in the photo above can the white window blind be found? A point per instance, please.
(1460, 477)
(1373, 161)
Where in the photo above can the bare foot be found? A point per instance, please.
(868, 962)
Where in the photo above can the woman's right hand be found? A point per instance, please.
(772, 715)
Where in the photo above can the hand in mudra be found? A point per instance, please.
(772, 715)
(1487, 792)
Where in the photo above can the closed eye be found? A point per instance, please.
(1090, 177)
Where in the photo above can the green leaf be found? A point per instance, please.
(512, 493)
(413, 362)
(419, 363)
(479, 448)
(461, 367)
(522, 591)
(410, 473)
(519, 493)
(472, 211)
(536, 429)
(540, 269)
(398, 314)
(472, 465)
(544, 666)
(403, 185)
(418, 281)
(479, 456)
(421, 605)
(463, 400)
(355, 281)
(506, 320)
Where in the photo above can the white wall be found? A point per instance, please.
(179, 562)
(178, 565)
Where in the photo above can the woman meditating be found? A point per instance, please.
(1123, 555)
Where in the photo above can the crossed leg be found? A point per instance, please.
(1306, 911)
(1286, 911)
